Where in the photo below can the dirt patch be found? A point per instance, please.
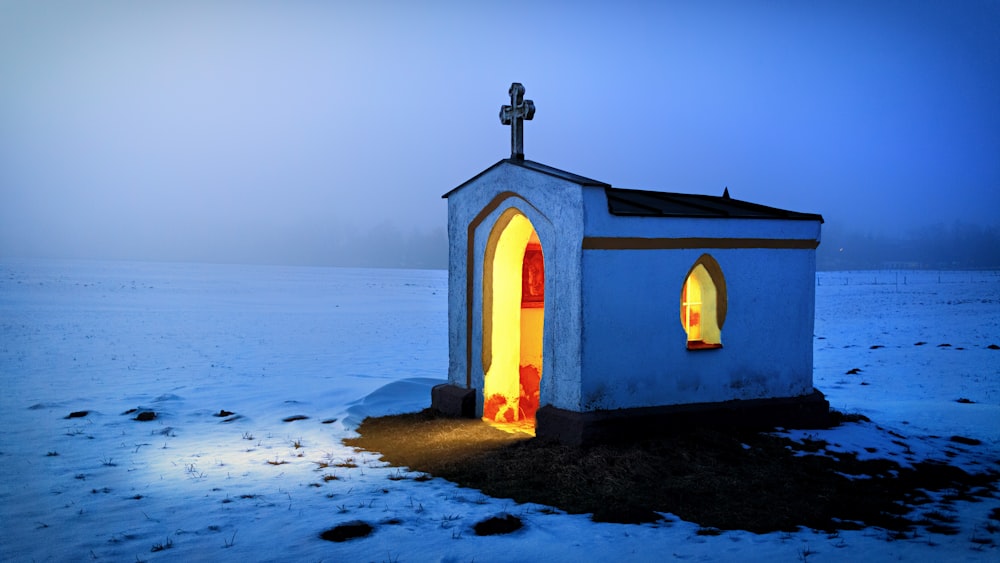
(725, 479)
(965, 441)
(347, 531)
(497, 525)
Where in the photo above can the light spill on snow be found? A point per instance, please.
(269, 344)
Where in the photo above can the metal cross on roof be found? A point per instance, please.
(514, 115)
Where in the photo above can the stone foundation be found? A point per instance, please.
(450, 400)
(624, 425)
(584, 428)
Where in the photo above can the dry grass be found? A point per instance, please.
(726, 479)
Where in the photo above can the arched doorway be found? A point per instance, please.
(513, 321)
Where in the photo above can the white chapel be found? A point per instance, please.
(585, 311)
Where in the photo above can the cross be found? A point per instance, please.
(514, 115)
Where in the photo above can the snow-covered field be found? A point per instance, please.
(270, 343)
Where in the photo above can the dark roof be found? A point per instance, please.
(537, 167)
(643, 203)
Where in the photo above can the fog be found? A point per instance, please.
(325, 133)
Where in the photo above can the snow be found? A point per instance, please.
(271, 343)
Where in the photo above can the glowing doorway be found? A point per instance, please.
(513, 321)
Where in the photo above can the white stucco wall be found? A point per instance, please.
(554, 207)
(634, 349)
(612, 333)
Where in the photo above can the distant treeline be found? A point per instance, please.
(386, 246)
(958, 246)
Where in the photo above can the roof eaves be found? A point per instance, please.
(473, 179)
(612, 198)
(561, 174)
(690, 201)
(716, 207)
(535, 167)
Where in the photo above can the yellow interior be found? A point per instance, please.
(699, 309)
(512, 335)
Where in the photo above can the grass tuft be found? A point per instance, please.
(162, 546)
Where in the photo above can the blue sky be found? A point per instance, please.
(259, 131)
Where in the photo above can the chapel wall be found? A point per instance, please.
(634, 346)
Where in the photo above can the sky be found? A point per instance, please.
(267, 131)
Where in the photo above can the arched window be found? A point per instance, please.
(703, 304)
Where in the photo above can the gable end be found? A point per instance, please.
(535, 167)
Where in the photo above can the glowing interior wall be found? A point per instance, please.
(532, 325)
(703, 304)
(512, 336)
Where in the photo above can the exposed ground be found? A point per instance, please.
(719, 479)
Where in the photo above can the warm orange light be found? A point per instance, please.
(699, 310)
(513, 294)
(691, 304)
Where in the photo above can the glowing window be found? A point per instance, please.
(703, 304)
(691, 307)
